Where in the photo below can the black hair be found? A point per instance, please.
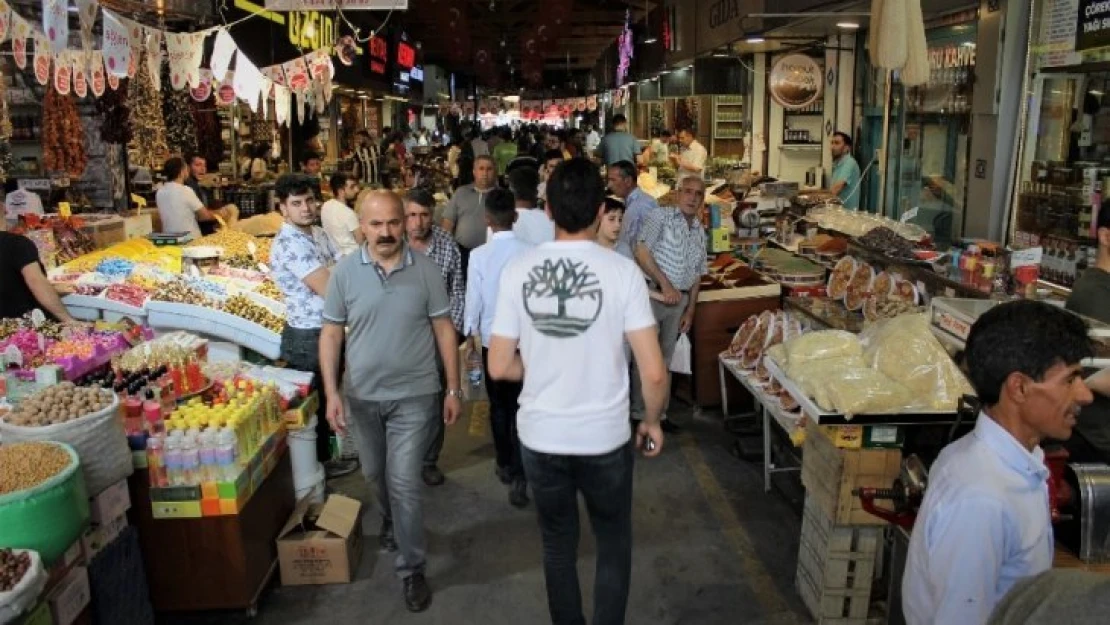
(847, 138)
(619, 119)
(500, 208)
(173, 167)
(552, 154)
(363, 133)
(1026, 337)
(423, 197)
(1103, 220)
(339, 180)
(627, 169)
(308, 156)
(524, 183)
(574, 194)
(613, 204)
(192, 156)
(664, 133)
(293, 184)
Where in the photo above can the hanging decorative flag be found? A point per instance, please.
(281, 104)
(154, 56)
(115, 46)
(20, 31)
(247, 82)
(113, 81)
(591, 103)
(5, 19)
(296, 75)
(78, 65)
(96, 73)
(225, 93)
(63, 73)
(55, 24)
(86, 12)
(222, 52)
(275, 74)
(203, 90)
(42, 60)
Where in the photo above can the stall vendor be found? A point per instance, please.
(985, 522)
(845, 170)
(1091, 294)
(178, 205)
(23, 280)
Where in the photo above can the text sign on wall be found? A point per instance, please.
(1093, 25)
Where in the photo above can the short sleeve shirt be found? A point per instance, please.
(391, 348)
(677, 246)
(177, 207)
(845, 169)
(16, 252)
(294, 256)
(339, 221)
(619, 146)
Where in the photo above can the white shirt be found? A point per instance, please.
(483, 277)
(532, 226)
(178, 206)
(570, 305)
(339, 221)
(592, 141)
(694, 156)
(983, 526)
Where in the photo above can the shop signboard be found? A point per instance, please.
(1092, 29)
(1056, 43)
(796, 81)
(333, 5)
(721, 22)
(377, 53)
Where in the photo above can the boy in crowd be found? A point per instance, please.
(609, 231)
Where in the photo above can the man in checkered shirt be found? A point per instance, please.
(671, 251)
(437, 244)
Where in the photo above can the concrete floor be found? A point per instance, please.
(710, 547)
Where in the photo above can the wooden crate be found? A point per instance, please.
(829, 474)
(836, 566)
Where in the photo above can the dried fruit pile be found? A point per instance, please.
(26, 465)
(59, 404)
(63, 139)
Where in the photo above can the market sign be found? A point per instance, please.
(721, 22)
(333, 5)
(406, 55)
(378, 52)
(796, 81)
(1093, 25)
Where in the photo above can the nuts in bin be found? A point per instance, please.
(59, 404)
(26, 465)
(13, 566)
(242, 306)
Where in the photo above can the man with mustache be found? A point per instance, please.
(390, 306)
(984, 523)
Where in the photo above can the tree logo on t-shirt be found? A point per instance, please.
(562, 297)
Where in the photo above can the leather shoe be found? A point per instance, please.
(504, 476)
(432, 476)
(386, 538)
(670, 427)
(418, 596)
(518, 493)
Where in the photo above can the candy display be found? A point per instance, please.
(180, 293)
(26, 465)
(237, 244)
(129, 294)
(241, 306)
(59, 404)
(889, 242)
(270, 290)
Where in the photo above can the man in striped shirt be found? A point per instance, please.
(671, 252)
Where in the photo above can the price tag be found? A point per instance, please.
(37, 318)
(64, 211)
(1026, 258)
(252, 248)
(13, 356)
(909, 215)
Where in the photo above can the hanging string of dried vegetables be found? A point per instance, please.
(63, 139)
(115, 115)
(148, 145)
(5, 132)
(181, 129)
(207, 122)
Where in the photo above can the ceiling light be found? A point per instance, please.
(664, 72)
(848, 25)
(756, 40)
(968, 44)
(720, 54)
(650, 39)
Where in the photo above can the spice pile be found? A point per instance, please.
(26, 465)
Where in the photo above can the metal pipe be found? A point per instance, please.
(881, 153)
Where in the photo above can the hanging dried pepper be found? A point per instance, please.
(115, 115)
(63, 138)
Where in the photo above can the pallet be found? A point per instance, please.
(829, 475)
(836, 567)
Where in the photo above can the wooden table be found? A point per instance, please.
(213, 563)
(1065, 559)
(715, 323)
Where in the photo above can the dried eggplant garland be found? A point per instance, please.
(148, 145)
(181, 130)
(63, 138)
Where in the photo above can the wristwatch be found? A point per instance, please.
(455, 392)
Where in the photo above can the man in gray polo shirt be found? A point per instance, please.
(465, 215)
(396, 313)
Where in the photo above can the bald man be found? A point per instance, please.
(390, 306)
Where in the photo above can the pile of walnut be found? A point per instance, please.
(60, 403)
(63, 138)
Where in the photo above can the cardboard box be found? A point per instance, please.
(110, 503)
(70, 597)
(321, 544)
(99, 536)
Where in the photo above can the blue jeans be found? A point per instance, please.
(392, 437)
(605, 482)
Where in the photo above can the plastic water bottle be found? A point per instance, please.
(155, 461)
(227, 453)
(190, 456)
(173, 458)
(206, 442)
(474, 368)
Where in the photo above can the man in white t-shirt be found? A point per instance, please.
(178, 206)
(532, 226)
(568, 306)
(691, 160)
(337, 217)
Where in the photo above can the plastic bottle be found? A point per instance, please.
(152, 412)
(227, 453)
(173, 457)
(155, 461)
(209, 471)
(474, 368)
(133, 414)
(190, 456)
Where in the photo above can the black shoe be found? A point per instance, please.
(670, 427)
(418, 596)
(339, 468)
(432, 476)
(504, 475)
(518, 493)
(385, 537)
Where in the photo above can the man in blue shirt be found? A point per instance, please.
(622, 177)
(619, 144)
(845, 171)
(985, 523)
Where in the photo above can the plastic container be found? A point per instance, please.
(313, 489)
(227, 454)
(24, 595)
(47, 518)
(302, 454)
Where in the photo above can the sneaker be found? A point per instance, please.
(432, 476)
(418, 596)
(518, 493)
(504, 475)
(340, 467)
(385, 537)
